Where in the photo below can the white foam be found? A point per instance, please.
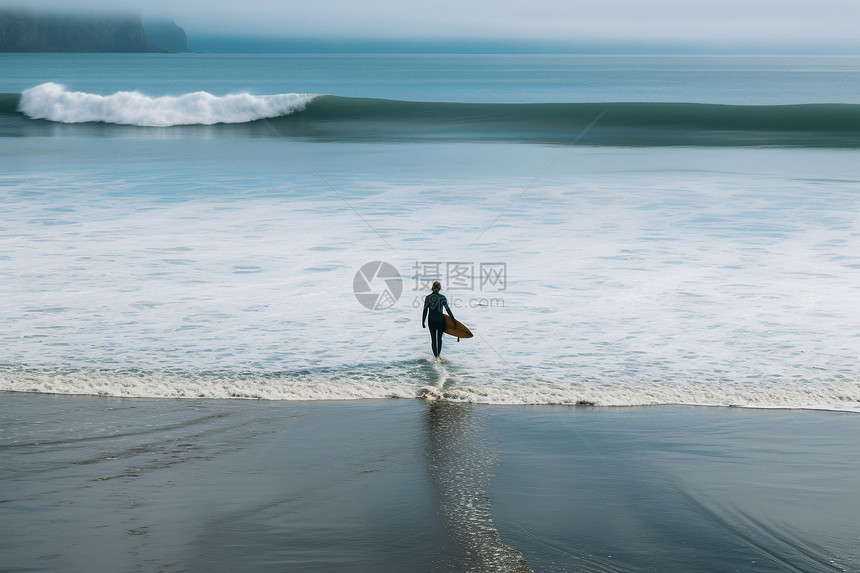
(405, 380)
(308, 385)
(623, 290)
(53, 102)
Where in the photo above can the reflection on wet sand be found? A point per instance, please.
(461, 466)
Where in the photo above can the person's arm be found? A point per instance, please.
(424, 314)
(451, 314)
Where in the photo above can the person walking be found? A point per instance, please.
(434, 303)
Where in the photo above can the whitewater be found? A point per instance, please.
(55, 103)
(702, 288)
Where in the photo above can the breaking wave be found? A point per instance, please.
(336, 118)
(53, 102)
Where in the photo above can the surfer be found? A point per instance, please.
(433, 305)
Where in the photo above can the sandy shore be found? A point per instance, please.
(107, 484)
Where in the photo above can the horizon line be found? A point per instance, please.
(223, 43)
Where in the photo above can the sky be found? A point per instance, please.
(781, 23)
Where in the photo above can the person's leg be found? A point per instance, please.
(435, 342)
(439, 332)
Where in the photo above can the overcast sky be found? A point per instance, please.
(747, 22)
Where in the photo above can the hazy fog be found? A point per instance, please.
(726, 22)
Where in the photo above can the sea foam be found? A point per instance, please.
(53, 102)
(712, 277)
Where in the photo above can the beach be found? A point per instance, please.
(204, 368)
(115, 484)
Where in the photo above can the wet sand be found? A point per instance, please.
(111, 484)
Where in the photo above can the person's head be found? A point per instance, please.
(437, 286)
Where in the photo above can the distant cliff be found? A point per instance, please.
(23, 31)
(166, 35)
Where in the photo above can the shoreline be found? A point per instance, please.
(423, 396)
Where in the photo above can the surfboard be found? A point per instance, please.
(459, 330)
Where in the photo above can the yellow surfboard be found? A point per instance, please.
(459, 330)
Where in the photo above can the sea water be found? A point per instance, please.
(614, 230)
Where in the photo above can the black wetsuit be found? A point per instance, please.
(433, 305)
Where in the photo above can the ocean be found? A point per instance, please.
(213, 266)
(615, 230)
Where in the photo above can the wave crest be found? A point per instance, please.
(334, 118)
(53, 102)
